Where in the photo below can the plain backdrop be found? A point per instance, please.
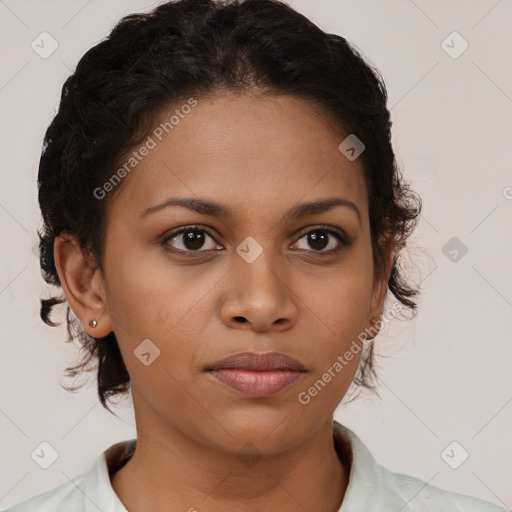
(445, 375)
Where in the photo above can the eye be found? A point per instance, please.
(318, 240)
(194, 239)
(190, 239)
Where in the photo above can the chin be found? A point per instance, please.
(272, 431)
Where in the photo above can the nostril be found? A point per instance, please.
(240, 319)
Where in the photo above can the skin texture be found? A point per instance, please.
(258, 156)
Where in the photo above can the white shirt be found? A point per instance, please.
(371, 487)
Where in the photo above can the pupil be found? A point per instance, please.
(315, 239)
(193, 239)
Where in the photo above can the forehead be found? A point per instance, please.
(251, 152)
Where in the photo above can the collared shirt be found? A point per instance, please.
(371, 487)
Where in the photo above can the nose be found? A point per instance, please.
(260, 295)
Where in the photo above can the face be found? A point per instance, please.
(256, 279)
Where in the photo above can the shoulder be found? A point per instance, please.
(89, 492)
(65, 497)
(420, 496)
(373, 487)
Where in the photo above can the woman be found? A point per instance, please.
(224, 214)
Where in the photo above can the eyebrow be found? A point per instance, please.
(215, 209)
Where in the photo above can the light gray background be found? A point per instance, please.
(447, 373)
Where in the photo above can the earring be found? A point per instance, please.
(93, 323)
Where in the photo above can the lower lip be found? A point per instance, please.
(257, 384)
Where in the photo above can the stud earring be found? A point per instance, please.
(93, 323)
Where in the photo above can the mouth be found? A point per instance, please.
(257, 375)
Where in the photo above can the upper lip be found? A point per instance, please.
(257, 361)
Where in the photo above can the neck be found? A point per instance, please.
(175, 469)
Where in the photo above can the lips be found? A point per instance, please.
(258, 362)
(257, 375)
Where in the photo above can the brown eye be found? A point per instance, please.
(318, 240)
(190, 239)
(324, 240)
(193, 239)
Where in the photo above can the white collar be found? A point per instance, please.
(371, 487)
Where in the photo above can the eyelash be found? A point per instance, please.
(342, 238)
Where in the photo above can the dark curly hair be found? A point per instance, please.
(200, 47)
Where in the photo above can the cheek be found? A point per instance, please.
(339, 308)
(150, 294)
(336, 353)
(168, 305)
(342, 301)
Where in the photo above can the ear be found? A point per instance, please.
(83, 285)
(380, 288)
